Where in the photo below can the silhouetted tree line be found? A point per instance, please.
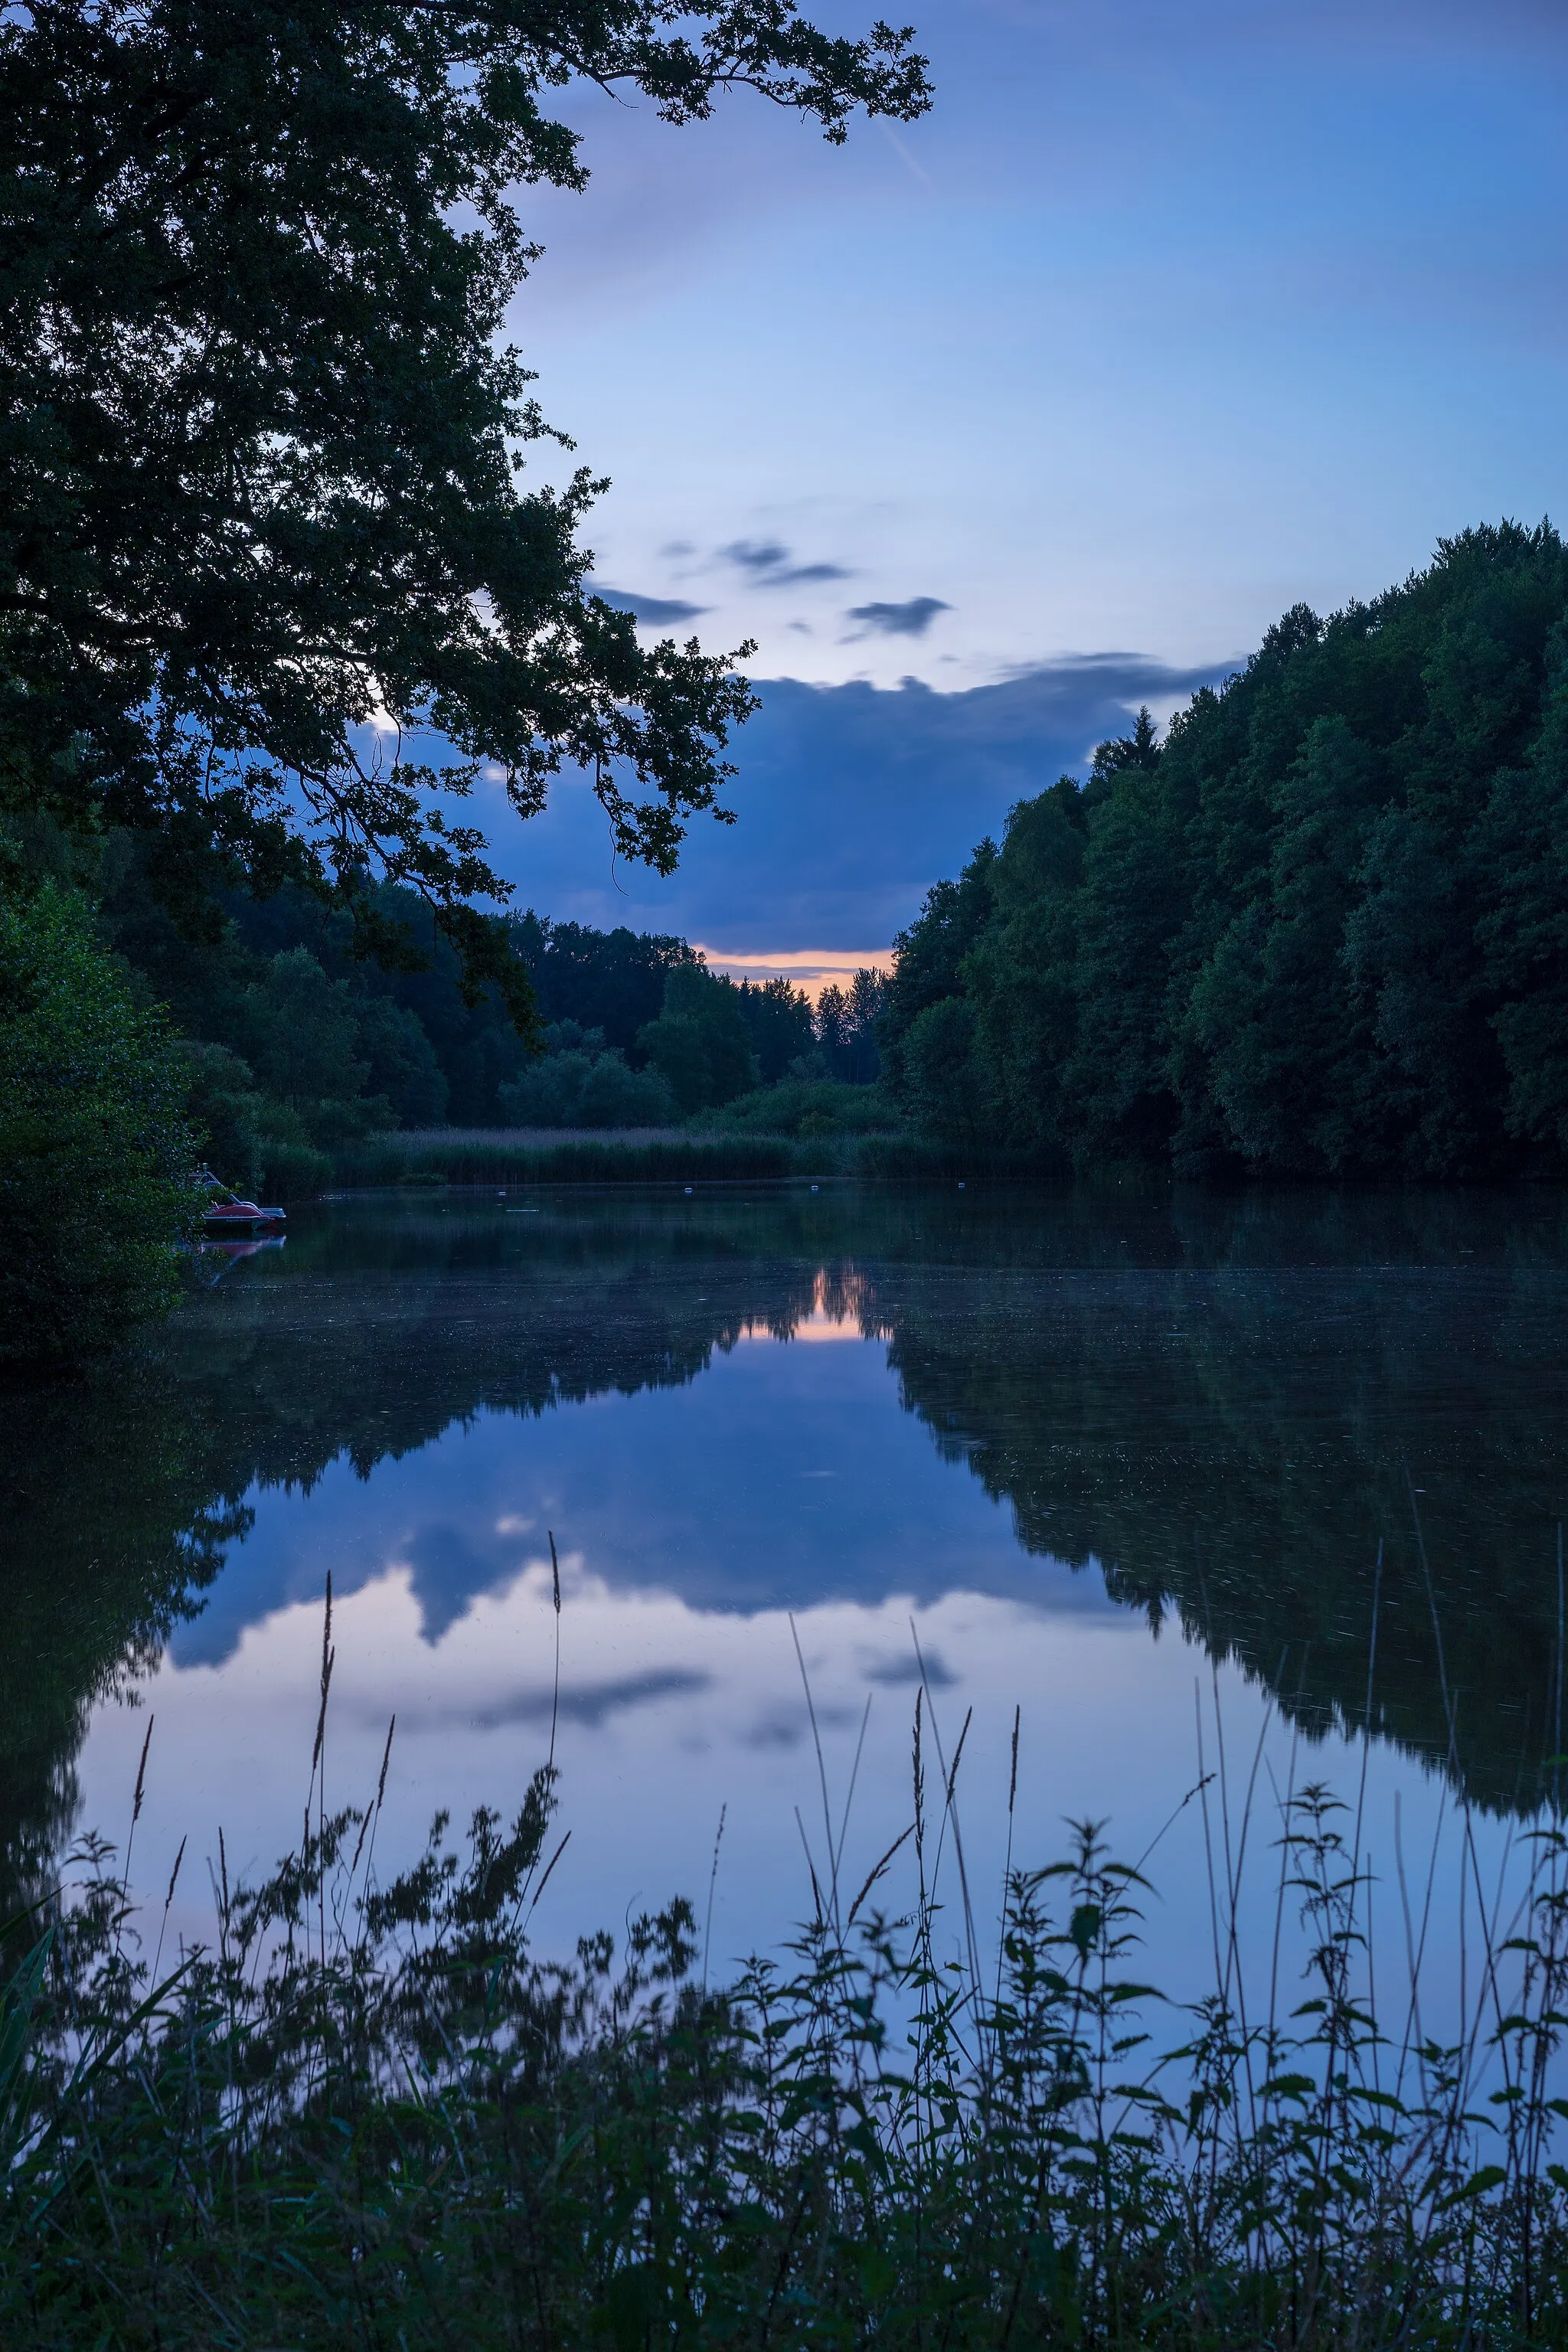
(1320, 929)
(709, 1042)
(846, 1021)
(294, 1042)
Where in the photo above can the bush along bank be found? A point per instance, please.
(95, 1152)
(366, 2116)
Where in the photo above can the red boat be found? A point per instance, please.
(234, 1216)
(229, 1214)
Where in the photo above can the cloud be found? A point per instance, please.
(785, 1726)
(756, 554)
(768, 562)
(909, 620)
(653, 609)
(779, 1729)
(899, 1669)
(590, 1703)
(851, 801)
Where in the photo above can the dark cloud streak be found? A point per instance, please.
(768, 562)
(911, 619)
(649, 609)
(591, 1703)
(756, 555)
(896, 1671)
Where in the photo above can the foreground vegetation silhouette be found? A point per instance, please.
(368, 2114)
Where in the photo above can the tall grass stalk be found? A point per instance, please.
(369, 2114)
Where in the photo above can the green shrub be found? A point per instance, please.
(291, 1170)
(95, 1154)
(807, 1106)
(581, 1082)
(256, 1143)
(700, 1044)
(225, 1108)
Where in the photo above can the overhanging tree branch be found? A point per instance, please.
(260, 440)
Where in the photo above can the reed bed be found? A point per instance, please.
(367, 2113)
(638, 1156)
(549, 1158)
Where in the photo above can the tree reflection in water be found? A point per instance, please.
(1224, 1404)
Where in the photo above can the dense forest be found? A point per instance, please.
(256, 1034)
(1320, 929)
(294, 1045)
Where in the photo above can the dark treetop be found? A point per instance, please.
(1321, 929)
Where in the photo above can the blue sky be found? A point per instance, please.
(1164, 319)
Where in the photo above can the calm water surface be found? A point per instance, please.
(1123, 1464)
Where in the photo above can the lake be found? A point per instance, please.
(1147, 1469)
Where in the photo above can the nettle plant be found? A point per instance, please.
(368, 2113)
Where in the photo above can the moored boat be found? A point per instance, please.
(227, 1213)
(233, 1216)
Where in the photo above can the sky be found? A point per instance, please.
(1164, 320)
(849, 802)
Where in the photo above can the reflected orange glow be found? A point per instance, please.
(840, 1309)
